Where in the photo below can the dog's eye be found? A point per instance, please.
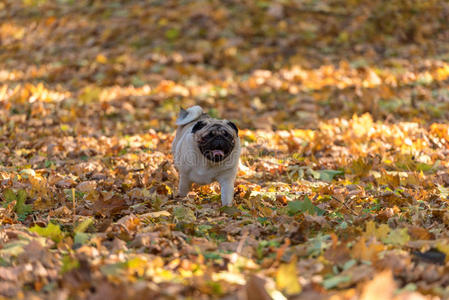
(198, 126)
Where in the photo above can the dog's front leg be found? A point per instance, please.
(184, 185)
(227, 190)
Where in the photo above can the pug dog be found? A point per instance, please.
(205, 150)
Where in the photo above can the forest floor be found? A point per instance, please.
(343, 187)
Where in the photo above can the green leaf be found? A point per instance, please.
(334, 281)
(137, 81)
(81, 238)
(9, 195)
(297, 206)
(231, 210)
(294, 207)
(184, 214)
(20, 196)
(318, 244)
(172, 33)
(349, 264)
(69, 263)
(21, 208)
(113, 269)
(82, 227)
(52, 232)
(427, 167)
(328, 175)
(212, 255)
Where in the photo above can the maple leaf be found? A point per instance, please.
(109, 204)
(184, 214)
(304, 206)
(51, 231)
(397, 237)
(20, 207)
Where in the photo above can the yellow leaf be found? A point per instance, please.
(444, 248)
(287, 278)
(397, 237)
(101, 59)
(363, 252)
(380, 233)
(370, 229)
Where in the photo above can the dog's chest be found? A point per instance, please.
(202, 175)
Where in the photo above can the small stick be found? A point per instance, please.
(73, 204)
(241, 242)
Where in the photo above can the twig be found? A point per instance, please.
(241, 242)
(73, 204)
(280, 252)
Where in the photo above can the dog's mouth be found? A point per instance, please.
(218, 154)
(216, 149)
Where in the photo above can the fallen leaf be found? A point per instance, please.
(184, 214)
(287, 278)
(382, 286)
(51, 231)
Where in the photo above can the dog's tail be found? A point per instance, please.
(188, 115)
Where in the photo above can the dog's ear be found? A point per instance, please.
(233, 127)
(198, 126)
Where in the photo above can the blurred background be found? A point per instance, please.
(342, 107)
(127, 66)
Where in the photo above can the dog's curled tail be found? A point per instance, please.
(188, 115)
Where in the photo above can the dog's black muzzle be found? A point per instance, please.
(217, 147)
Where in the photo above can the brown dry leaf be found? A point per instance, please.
(61, 212)
(419, 233)
(109, 204)
(255, 289)
(86, 186)
(338, 254)
(65, 183)
(130, 222)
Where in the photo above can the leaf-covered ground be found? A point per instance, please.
(343, 187)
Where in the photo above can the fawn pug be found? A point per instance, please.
(206, 149)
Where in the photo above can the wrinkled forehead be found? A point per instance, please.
(217, 124)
